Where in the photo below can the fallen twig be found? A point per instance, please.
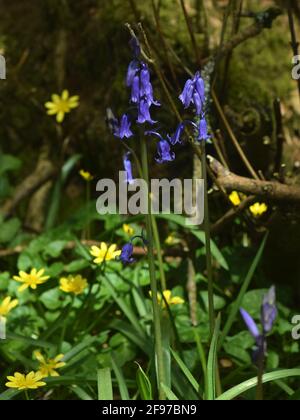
(267, 190)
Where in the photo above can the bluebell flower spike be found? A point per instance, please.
(194, 93)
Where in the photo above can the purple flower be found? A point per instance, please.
(133, 68)
(269, 311)
(123, 130)
(128, 168)
(164, 153)
(126, 254)
(194, 93)
(144, 112)
(145, 81)
(176, 137)
(251, 324)
(138, 79)
(187, 94)
(135, 90)
(202, 130)
(268, 317)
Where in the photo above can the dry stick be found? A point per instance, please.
(269, 190)
(233, 137)
(294, 42)
(249, 32)
(191, 32)
(29, 186)
(219, 151)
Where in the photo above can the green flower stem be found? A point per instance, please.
(211, 310)
(154, 226)
(202, 356)
(159, 253)
(153, 282)
(88, 198)
(260, 387)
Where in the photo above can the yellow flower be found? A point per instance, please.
(235, 198)
(7, 305)
(86, 175)
(73, 284)
(104, 253)
(128, 230)
(258, 209)
(171, 300)
(30, 381)
(61, 105)
(33, 279)
(171, 240)
(48, 366)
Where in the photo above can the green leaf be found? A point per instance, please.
(252, 383)
(9, 394)
(9, 229)
(9, 163)
(77, 265)
(81, 393)
(212, 363)
(144, 384)
(56, 198)
(55, 248)
(237, 304)
(105, 389)
(120, 379)
(165, 333)
(126, 329)
(186, 371)
(79, 348)
(30, 341)
(169, 393)
(51, 299)
(128, 312)
(180, 220)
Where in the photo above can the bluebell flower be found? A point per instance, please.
(164, 152)
(133, 68)
(176, 137)
(138, 79)
(126, 254)
(269, 311)
(128, 168)
(144, 112)
(268, 317)
(123, 129)
(194, 93)
(202, 130)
